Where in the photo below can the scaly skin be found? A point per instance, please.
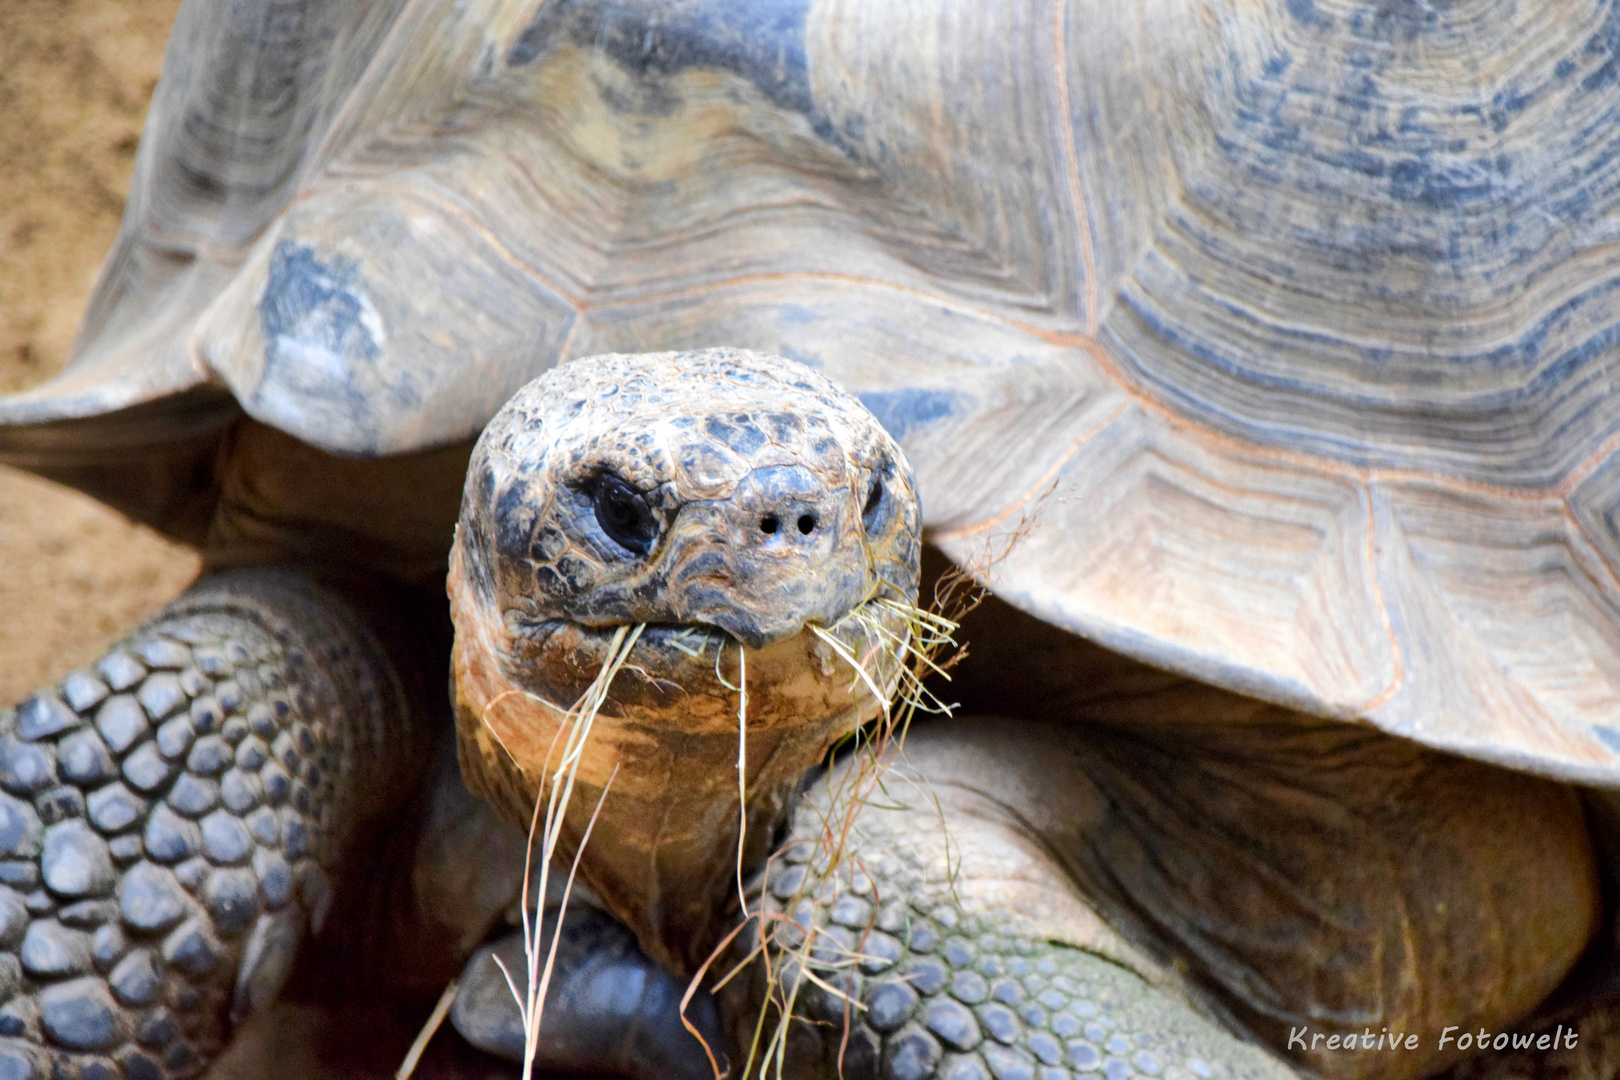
(170, 816)
(941, 972)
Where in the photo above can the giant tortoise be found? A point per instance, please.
(1256, 357)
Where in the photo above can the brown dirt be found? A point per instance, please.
(75, 79)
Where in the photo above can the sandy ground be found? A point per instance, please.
(75, 79)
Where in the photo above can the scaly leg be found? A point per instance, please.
(169, 818)
(1026, 900)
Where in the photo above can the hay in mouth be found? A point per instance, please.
(924, 644)
(558, 793)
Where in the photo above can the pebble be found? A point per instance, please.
(965, 1068)
(969, 986)
(206, 713)
(879, 952)
(19, 874)
(252, 753)
(125, 848)
(1045, 1047)
(1083, 1055)
(265, 826)
(1007, 1063)
(1000, 1022)
(851, 911)
(927, 975)
(107, 944)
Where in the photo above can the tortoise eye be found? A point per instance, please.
(623, 514)
(874, 503)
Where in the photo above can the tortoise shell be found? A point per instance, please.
(1269, 342)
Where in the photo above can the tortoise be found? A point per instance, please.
(1254, 358)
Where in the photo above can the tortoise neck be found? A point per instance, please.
(281, 500)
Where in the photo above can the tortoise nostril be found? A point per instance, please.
(807, 523)
(769, 524)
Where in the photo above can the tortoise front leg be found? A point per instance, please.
(1027, 901)
(949, 945)
(170, 815)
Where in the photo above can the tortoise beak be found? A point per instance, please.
(782, 552)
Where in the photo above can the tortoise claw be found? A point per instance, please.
(609, 1009)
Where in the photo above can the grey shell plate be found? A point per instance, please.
(1280, 338)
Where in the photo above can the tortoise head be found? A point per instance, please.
(716, 521)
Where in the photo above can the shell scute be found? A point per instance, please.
(374, 327)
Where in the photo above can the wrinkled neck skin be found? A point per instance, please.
(663, 855)
(728, 509)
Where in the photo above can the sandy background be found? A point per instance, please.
(75, 79)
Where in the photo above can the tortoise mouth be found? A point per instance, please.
(559, 659)
(689, 639)
(671, 664)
